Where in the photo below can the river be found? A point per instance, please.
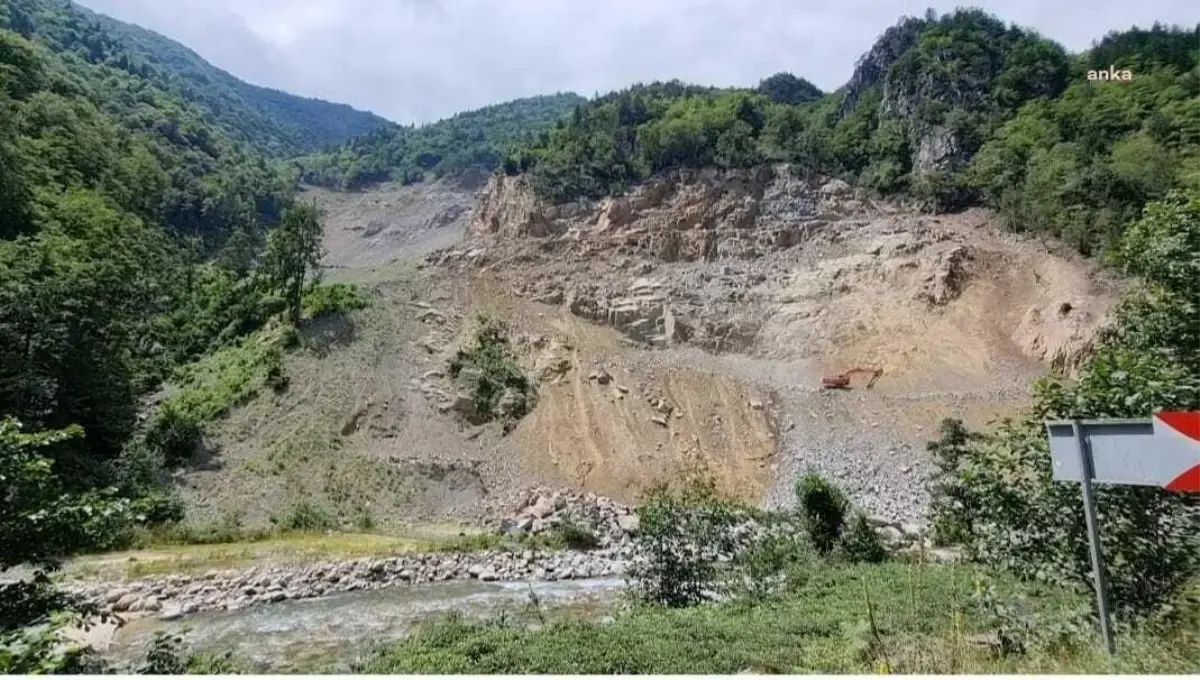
(327, 633)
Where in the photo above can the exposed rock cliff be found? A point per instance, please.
(745, 260)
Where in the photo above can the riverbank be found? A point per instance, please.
(173, 596)
(544, 517)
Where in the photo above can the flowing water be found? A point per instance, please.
(304, 634)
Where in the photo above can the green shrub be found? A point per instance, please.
(489, 370)
(176, 433)
(305, 516)
(159, 507)
(822, 509)
(860, 542)
(228, 528)
(168, 656)
(332, 298)
(952, 505)
(680, 537)
(770, 564)
(365, 521)
(273, 373)
(575, 536)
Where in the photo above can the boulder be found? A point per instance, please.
(628, 523)
(542, 508)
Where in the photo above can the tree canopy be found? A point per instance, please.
(271, 122)
(474, 140)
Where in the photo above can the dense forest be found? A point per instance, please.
(471, 140)
(271, 122)
(951, 111)
(135, 237)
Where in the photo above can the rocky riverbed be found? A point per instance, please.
(540, 512)
(178, 595)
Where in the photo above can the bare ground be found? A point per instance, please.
(655, 363)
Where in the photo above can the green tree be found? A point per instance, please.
(823, 510)
(785, 88)
(1001, 492)
(294, 253)
(238, 253)
(39, 525)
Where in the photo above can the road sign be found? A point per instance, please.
(1162, 451)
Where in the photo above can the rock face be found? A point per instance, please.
(690, 215)
(722, 260)
(872, 68)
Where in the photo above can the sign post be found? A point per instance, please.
(1099, 575)
(1162, 451)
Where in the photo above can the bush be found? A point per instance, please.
(168, 656)
(575, 536)
(227, 528)
(769, 564)
(175, 433)
(305, 516)
(332, 298)
(860, 542)
(489, 370)
(680, 537)
(822, 509)
(159, 507)
(273, 373)
(952, 505)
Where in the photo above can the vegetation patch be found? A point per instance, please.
(332, 298)
(164, 553)
(845, 619)
(488, 371)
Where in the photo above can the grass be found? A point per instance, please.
(846, 619)
(187, 549)
(281, 548)
(226, 378)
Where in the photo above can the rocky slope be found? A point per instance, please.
(679, 330)
(772, 278)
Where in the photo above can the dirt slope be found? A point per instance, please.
(393, 222)
(679, 330)
(771, 279)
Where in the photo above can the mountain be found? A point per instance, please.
(471, 140)
(113, 189)
(274, 123)
(950, 111)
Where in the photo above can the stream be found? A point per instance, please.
(330, 632)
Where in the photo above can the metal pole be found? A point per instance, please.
(1093, 529)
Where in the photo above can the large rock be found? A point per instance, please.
(628, 523)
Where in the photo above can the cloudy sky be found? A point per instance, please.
(420, 60)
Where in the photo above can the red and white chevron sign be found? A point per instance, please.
(1179, 432)
(1162, 451)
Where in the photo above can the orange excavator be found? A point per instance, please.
(841, 381)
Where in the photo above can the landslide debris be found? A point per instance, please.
(770, 278)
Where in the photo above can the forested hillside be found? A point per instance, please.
(136, 236)
(272, 122)
(953, 110)
(471, 140)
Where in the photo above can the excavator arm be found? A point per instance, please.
(842, 380)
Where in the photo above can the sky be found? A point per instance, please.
(416, 61)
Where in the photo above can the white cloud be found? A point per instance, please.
(419, 60)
